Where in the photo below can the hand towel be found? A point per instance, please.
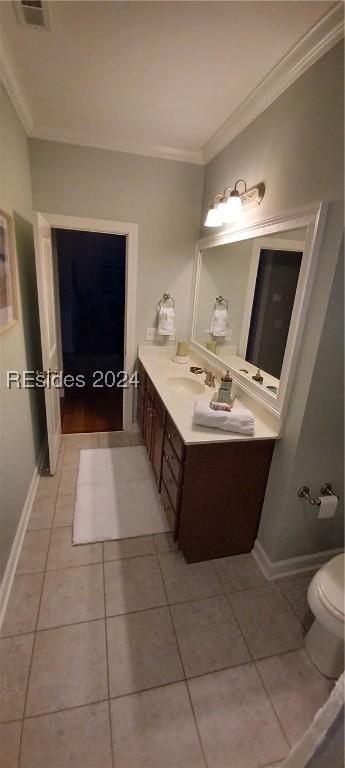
(239, 420)
(166, 321)
(219, 322)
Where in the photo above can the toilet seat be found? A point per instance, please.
(326, 595)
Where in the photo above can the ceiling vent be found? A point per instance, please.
(32, 13)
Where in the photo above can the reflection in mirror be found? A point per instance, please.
(257, 279)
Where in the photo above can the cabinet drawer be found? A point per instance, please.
(159, 408)
(172, 460)
(174, 438)
(150, 388)
(168, 509)
(171, 486)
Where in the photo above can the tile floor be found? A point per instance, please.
(123, 656)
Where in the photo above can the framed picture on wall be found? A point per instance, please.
(8, 287)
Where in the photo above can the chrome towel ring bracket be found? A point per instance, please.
(165, 299)
(221, 300)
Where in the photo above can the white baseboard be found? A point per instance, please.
(294, 565)
(10, 570)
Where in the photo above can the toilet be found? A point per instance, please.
(325, 640)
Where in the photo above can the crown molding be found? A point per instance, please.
(323, 36)
(100, 141)
(11, 83)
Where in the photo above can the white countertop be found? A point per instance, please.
(158, 363)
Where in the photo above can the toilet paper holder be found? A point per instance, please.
(325, 490)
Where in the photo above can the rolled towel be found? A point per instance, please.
(219, 322)
(239, 420)
(166, 321)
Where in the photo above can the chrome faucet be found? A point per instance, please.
(210, 379)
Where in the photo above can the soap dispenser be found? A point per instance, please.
(224, 392)
(226, 381)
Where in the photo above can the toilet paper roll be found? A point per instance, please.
(328, 506)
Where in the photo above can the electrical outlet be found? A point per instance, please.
(150, 334)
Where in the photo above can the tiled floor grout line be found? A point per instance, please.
(238, 625)
(65, 709)
(273, 707)
(107, 662)
(256, 661)
(293, 608)
(183, 667)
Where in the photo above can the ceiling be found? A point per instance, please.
(159, 78)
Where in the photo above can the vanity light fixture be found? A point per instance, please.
(228, 207)
(214, 216)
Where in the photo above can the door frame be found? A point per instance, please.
(268, 242)
(130, 230)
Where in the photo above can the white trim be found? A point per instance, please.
(311, 216)
(86, 139)
(11, 566)
(293, 565)
(14, 90)
(131, 231)
(312, 46)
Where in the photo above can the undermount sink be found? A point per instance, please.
(183, 385)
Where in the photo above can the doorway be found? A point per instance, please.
(274, 297)
(91, 276)
(47, 288)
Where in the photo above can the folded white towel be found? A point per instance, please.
(219, 322)
(166, 321)
(237, 420)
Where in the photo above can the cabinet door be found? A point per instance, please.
(157, 446)
(148, 415)
(140, 413)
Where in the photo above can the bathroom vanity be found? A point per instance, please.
(212, 483)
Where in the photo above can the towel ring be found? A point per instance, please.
(221, 300)
(165, 297)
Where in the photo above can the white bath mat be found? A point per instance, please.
(116, 496)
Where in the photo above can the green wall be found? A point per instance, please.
(296, 146)
(21, 412)
(162, 196)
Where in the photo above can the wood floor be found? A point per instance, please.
(91, 410)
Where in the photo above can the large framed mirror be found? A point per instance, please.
(251, 291)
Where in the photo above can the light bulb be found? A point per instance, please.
(222, 209)
(214, 217)
(233, 208)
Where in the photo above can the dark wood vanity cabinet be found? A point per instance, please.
(212, 493)
(151, 420)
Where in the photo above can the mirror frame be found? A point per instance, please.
(313, 217)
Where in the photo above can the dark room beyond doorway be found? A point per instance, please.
(92, 279)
